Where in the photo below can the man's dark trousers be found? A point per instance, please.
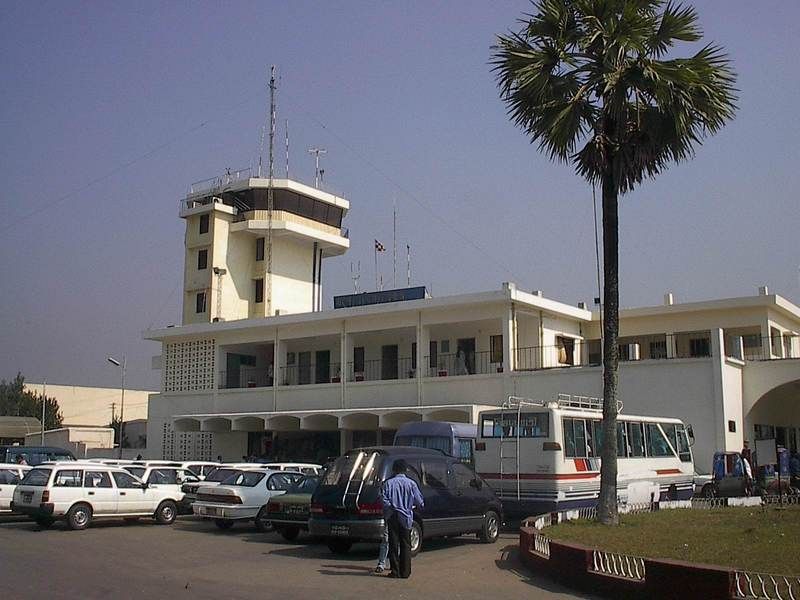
(399, 548)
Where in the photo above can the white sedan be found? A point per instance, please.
(10, 476)
(243, 497)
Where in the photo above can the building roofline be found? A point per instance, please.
(507, 293)
(770, 300)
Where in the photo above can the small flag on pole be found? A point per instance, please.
(379, 247)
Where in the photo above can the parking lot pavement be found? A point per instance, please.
(193, 559)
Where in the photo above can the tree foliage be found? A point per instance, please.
(16, 401)
(595, 83)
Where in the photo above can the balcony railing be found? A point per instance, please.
(464, 363)
(379, 370)
(311, 373)
(246, 377)
(757, 347)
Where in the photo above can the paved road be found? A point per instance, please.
(194, 560)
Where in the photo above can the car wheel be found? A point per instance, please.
(338, 546)
(709, 491)
(45, 522)
(290, 533)
(166, 513)
(223, 524)
(79, 517)
(491, 528)
(415, 537)
(263, 525)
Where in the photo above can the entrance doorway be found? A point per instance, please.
(389, 357)
(304, 368)
(465, 350)
(323, 366)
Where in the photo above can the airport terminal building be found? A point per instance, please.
(259, 368)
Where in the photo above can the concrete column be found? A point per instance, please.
(345, 440)
(421, 367)
(344, 355)
(278, 360)
(509, 339)
(717, 364)
(672, 345)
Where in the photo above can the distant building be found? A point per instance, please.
(257, 367)
(14, 429)
(93, 406)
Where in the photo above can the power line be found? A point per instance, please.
(464, 237)
(115, 171)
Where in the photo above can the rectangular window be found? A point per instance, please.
(433, 355)
(259, 290)
(97, 479)
(531, 425)
(622, 441)
(684, 451)
(203, 224)
(202, 260)
(657, 445)
(595, 438)
(658, 349)
(672, 434)
(358, 359)
(732, 426)
(496, 344)
(260, 249)
(699, 347)
(68, 479)
(636, 440)
(200, 302)
(566, 350)
(574, 438)
(444, 345)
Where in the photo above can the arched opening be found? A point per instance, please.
(186, 424)
(216, 424)
(319, 423)
(248, 424)
(448, 414)
(776, 414)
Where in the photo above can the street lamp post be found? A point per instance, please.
(123, 365)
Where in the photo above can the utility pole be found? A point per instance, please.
(44, 404)
(123, 365)
(394, 244)
(270, 190)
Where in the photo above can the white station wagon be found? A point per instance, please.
(10, 476)
(243, 497)
(80, 492)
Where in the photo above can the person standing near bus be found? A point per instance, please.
(400, 495)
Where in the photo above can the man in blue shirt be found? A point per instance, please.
(400, 495)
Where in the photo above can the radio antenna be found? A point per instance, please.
(270, 190)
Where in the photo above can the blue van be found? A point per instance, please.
(454, 439)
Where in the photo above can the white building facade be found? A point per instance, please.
(259, 368)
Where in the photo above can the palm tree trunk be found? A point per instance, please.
(607, 502)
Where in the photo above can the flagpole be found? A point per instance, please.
(375, 247)
(408, 265)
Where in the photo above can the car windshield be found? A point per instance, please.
(354, 466)
(245, 478)
(138, 471)
(220, 475)
(37, 477)
(307, 485)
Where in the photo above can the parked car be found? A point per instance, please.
(34, 455)
(81, 492)
(289, 512)
(346, 506)
(215, 477)
(243, 497)
(304, 468)
(166, 476)
(10, 476)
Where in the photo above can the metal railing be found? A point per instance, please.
(380, 370)
(756, 347)
(618, 565)
(763, 586)
(541, 544)
(246, 377)
(311, 374)
(464, 363)
(213, 184)
(534, 358)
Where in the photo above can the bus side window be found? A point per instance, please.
(574, 438)
(622, 441)
(636, 440)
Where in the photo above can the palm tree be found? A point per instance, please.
(595, 83)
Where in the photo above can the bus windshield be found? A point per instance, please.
(434, 442)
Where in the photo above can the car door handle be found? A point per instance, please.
(122, 493)
(91, 493)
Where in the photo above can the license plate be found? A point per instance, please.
(27, 497)
(296, 510)
(212, 511)
(340, 530)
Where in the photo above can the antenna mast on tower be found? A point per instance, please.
(317, 172)
(270, 191)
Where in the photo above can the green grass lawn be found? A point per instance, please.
(763, 539)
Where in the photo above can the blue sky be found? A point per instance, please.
(110, 109)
